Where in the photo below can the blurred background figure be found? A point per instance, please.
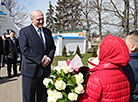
(5, 44)
(12, 53)
(1, 51)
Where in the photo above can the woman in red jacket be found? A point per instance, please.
(107, 82)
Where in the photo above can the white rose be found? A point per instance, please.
(58, 95)
(65, 69)
(54, 93)
(79, 78)
(72, 96)
(46, 81)
(79, 89)
(50, 92)
(60, 85)
(51, 99)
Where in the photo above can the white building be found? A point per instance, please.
(71, 44)
(6, 22)
(70, 39)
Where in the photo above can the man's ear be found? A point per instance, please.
(133, 48)
(31, 19)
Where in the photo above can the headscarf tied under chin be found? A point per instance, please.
(114, 50)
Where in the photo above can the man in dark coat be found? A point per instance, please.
(5, 49)
(131, 69)
(1, 51)
(38, 49)
(12, 53)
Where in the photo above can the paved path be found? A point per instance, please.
(10, 88)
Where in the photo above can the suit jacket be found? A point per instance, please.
(32, 50)
(12, 48)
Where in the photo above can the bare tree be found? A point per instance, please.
(97, 6)
(129, 15)
(122, 15)
(125, 21)
(85, 11)
(115, 16)
(17, 12)
(134, 12)
(94, 15)
(85, 19)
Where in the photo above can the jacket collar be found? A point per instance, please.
(134, 54)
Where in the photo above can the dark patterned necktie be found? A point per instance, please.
(40, 35)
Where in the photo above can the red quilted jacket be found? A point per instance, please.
(107, 82)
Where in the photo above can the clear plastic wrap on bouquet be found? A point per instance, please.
(75, 63)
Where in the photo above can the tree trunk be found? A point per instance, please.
(135, 14)
(99, 18)
(125, 20)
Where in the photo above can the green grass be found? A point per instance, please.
(84, 59)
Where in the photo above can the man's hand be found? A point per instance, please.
(9, 55)
(45, 62)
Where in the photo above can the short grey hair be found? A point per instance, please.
(32, 13)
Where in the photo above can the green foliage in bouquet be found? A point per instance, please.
(64, 52)
(78, 51)
(64, 86)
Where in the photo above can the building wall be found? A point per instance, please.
(71, 45)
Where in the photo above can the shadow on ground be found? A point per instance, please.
(7, 79)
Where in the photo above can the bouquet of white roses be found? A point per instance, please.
(64, 86)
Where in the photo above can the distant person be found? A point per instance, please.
(12, 54)
(131, 69)
(5, 47)
(1, 52)
(107, 82)
(38, 49)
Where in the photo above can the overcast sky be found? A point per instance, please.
(31, 5)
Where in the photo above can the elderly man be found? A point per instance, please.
(38, 49)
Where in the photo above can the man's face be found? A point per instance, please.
(38, 19)
(12, 34)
